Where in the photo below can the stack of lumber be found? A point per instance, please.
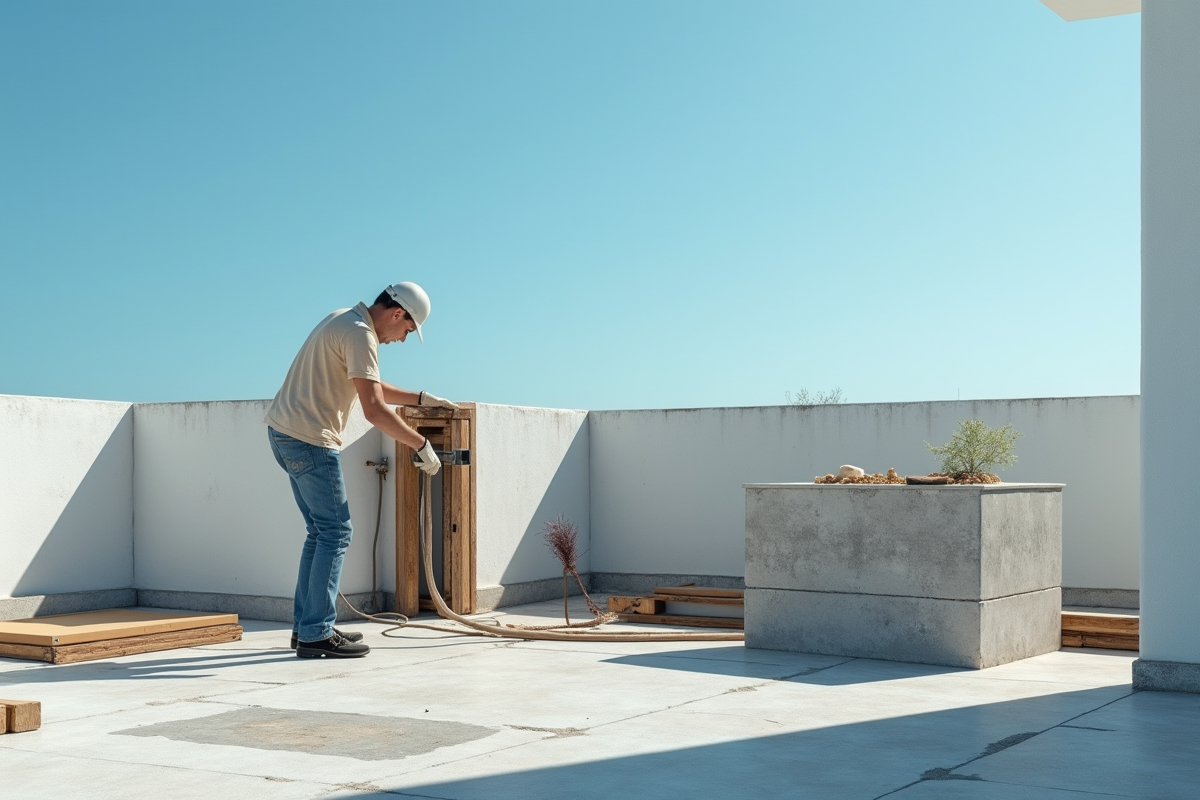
(704, 607)
(69, 638)
(1095, 629)
(18, 716)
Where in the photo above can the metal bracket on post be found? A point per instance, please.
(450, 458)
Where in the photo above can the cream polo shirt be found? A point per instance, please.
(317, 396)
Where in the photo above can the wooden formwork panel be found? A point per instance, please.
(446, 429)
(1098, 629)
(651, 607)
(94, 626)
(124, 646)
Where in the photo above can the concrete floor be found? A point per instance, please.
(435, 716)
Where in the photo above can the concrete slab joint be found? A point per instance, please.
(966, 576)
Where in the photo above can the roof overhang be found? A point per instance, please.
(1072, 10)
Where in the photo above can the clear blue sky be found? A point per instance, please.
(612, 204)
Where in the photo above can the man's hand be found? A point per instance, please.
(433, 401)
(427, 460)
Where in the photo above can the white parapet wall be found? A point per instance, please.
(667, 485)
(532, 465)
(184, 503)
(66, 507)
(215, 513)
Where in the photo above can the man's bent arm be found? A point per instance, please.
(376, 409)
(397, 396)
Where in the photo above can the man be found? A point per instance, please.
(337, 367)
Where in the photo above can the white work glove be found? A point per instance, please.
(427, 460)
(433, 401)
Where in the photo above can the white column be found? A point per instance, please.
(1170, 581)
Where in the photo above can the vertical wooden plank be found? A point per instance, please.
(408, 545)
(457, 529)
(472, 519)
(449, 595)
(400, 475)
(449, 523)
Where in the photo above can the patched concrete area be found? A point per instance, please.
(431, 715)
(325, 733)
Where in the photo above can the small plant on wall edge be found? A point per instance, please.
(975, 450)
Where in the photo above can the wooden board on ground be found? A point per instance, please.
(634, 605)
(1097, 629)
(95, 626)
(20, 716)
(701, 605)
(1106, 641)
(675, 619)
(697, 598)
(700, 591)
(124, 646)
(1101, 623)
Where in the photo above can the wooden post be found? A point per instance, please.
(449, 588)
(472, 519)
(446, 429)
(456, 525)
(408, 545)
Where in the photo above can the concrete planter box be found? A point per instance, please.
(963, 576)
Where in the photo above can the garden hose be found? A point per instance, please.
(479, 628)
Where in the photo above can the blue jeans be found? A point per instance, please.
(320, 491)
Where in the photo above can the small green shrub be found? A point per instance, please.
(975, 449)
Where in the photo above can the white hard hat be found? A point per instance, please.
(412, 298)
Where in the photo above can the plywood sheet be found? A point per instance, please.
(96, 626)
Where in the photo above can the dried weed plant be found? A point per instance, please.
(802, 398)
(562, 538)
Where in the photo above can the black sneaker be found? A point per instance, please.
(349, 636)
(334, 647)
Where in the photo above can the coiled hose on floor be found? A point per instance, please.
(474, 627)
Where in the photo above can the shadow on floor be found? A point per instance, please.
(742, 661)
(156, 669)
(868, 759)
